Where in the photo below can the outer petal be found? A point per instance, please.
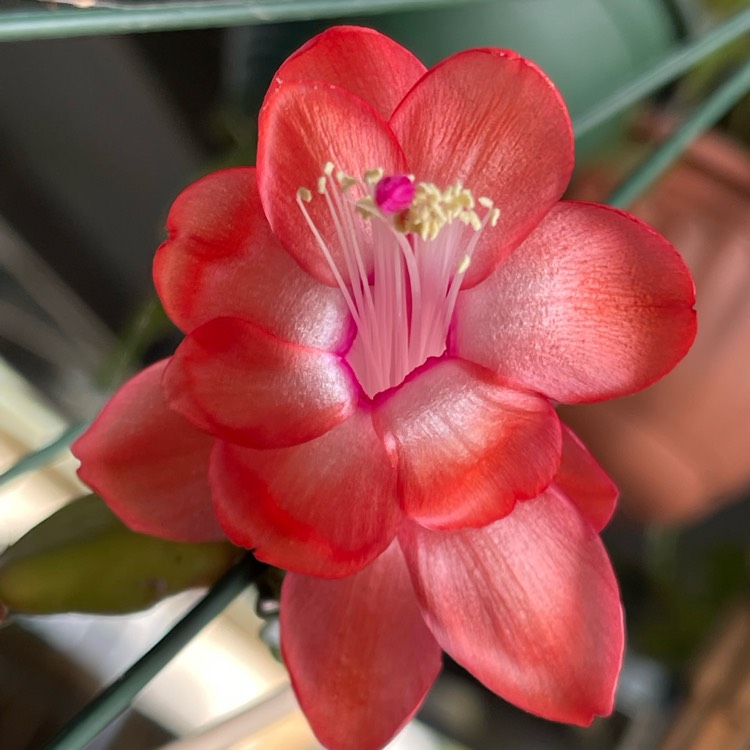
(494, 121)
(327, 507)
(466, 447)
(593, 305)
(363, 61)
(237, 382)
(585, 483)
(304, 125)
(360, 657)
(221, 259)
(529, 605)
(149, 464)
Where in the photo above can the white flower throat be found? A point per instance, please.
(422, 239)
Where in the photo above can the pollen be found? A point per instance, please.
(432, 209)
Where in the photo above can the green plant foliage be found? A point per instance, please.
(84, 559)
(675, 604)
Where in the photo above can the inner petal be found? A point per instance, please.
(421, 239)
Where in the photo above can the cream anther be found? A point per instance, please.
(432, 209)
(373, 176)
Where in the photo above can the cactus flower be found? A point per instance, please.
(379, 319)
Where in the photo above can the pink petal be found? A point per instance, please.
(149, 464)
(466, 447)
(529, 605)
(360, 657)
(326, 507)
(302, 126)
(237, 382)
(221, 259)
(494, 121)
(585, 483)
(363, 61)
(593, 305)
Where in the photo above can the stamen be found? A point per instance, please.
(400, 276)
(372, 176)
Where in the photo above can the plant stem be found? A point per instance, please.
(114, 17)
(713, 109)
(42, 456)
(662, 72)
(109, 704)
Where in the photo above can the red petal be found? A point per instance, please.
(326, 507)
(363, 61)
(593, 305)
(303, 126)
(149, 464)
(585, 483)
(360, 657)
(466, 447)
(529, 605)
(494, 121)
(222, 260)
(239, 383)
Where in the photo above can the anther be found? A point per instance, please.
(373, 176)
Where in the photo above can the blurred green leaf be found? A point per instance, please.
(675, 602)
(84, 559)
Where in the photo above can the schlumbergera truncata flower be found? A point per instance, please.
(378, 320)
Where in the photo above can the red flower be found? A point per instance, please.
(377, 323)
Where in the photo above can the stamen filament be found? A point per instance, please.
(418, 256)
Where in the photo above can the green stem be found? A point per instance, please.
(125, 17)
(715, 107)
(42, 456)
(665, 70)
(106, 707)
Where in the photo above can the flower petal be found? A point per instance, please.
(466, 447)
(237, 382)
(494, 121)
(529, 605)
(360, 657)
(363, 61)
(221, 259)
(585, 483)
(149, 464)
(326, 507)
(302, 126)
(593, 305)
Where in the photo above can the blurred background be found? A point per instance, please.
(99, 133)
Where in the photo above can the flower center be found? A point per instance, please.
(404, 250)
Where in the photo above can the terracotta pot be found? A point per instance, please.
(681, 448)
